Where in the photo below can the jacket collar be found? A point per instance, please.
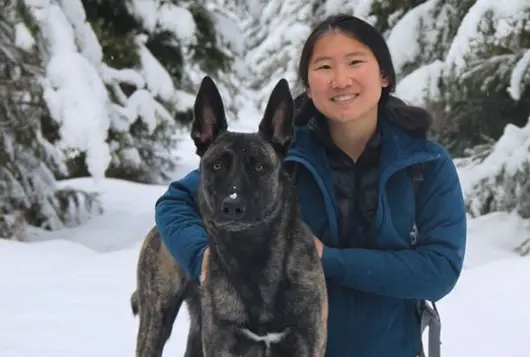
(398, 148)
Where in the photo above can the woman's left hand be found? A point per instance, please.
(320, 246)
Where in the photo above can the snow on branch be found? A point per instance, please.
(520, 76)
(78, 84)
(156, 15)
(499, 180)
(472, 34)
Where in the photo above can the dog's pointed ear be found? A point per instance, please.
(277, 125)
(209, 119)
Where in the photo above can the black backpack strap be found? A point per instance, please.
(429, 315)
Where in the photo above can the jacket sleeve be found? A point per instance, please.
(428, 271)
(180, 226)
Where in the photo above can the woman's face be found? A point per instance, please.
(345, 81)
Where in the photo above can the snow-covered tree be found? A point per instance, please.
(274, 40)
(474, 81)
(485, 82)
(497, 177)
(423, 32)
(28, 161)
(484, 102)
(387, 13)
(120, 78)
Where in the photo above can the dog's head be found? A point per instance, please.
(241, 173)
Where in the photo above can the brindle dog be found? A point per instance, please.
(264, 293)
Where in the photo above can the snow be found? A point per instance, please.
(177, 20)
(517, 79)
(23, 38)
(67, 292)
(509, 155)
(403, 40)
(73, 89)
(83, 93)
(158, 79)
(420, 84)
(506, 15)
(83, 123)
(274, 42)
(162, 16)
(360, 8)
(229, 28)
(487, 313)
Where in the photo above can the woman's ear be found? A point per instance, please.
(384, 81)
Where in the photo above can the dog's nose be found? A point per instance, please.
(232, 207)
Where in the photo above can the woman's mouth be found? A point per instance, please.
(343, 98)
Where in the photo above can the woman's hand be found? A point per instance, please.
(320, 247)
(204, 264)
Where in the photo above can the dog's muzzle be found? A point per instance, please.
(232, 207)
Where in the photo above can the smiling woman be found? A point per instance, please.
(363, 144)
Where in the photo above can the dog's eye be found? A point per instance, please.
(258, 166)
(217, 166)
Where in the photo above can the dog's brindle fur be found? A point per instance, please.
(264, 292)
(162, 286)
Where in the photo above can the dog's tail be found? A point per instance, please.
(134, 303)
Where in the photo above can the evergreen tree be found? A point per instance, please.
(484, 86)
(423, 32)
(486, 103)
(146, 154)
(388, 13)
(274, 41)
(149, 57)
(28, 161)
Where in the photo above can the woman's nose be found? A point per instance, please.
(341, 78)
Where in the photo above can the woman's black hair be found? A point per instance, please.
(409, 118)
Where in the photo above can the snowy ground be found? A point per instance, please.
(66, 294)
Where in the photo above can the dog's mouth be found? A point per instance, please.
(235, 225)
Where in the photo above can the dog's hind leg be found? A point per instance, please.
(150, 340)
(156, 323)
(161, 289)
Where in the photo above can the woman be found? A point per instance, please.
(354, 150)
